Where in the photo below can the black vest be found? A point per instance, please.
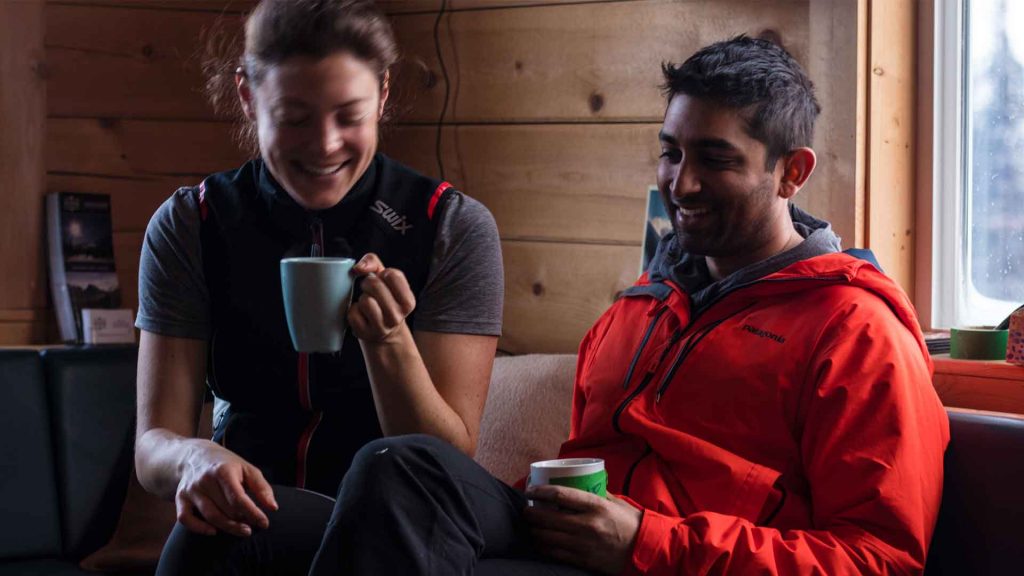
(300, 417)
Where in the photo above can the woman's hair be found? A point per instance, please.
(277, 30)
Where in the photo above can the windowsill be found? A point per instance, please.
(979, 384)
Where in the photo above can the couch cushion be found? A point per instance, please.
(29, 521)
(527, 413)
(979, 529)
(52, 567)
(92, 394)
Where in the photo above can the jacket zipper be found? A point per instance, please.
(629, 475)
(316, 232)
(653, 368)
(643, 344)
(691, 343)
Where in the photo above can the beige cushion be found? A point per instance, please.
(527, 414)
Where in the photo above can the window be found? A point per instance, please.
(978, 170)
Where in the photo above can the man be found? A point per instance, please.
(763, 402)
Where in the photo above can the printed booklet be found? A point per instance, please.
(80, 242)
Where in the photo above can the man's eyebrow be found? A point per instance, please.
(704, 143)
(715, 144)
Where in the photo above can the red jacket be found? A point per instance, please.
(789, 428)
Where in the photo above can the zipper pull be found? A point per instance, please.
(316, 231)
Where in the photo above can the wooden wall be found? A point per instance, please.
(552, 122)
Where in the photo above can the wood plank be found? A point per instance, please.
(22, 333)
(578, 62)
(406, 6)
(561, 62)
(978, 393)
(836, 190)
(23, 121)
(127, 250)
(133, 200)
(205, 5)
(128, 63)
(555, 181)
(978, 368)
(138, 148)
(554, 292)
(891, 153)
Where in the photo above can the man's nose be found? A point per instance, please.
(685, 180)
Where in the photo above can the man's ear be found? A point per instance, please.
(244, 89)
(797, 166)
(385, 91)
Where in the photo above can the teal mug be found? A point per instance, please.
(317, 293)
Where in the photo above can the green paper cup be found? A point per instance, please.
(977, 343)
(585, 474)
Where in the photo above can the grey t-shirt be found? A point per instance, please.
(463, 293)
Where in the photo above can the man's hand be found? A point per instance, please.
(219, 491)
(387, 299)
(583, 529)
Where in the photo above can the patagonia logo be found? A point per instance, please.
(764, 334)
(396, 220)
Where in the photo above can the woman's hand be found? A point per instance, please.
(379, 314)
(219, 491)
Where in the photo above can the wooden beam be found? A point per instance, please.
(568, 182)
(891, 137)
(22, 107)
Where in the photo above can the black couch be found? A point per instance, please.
(66, 430)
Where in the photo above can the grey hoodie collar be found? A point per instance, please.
(691, 273)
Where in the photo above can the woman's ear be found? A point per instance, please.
(244, 89)
(385, 91)
(797, 166)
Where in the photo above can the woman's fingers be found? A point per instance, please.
(369, 264)
(239, 506)
(200, 514)
(187, 516)
(257, 485)
(386, 301)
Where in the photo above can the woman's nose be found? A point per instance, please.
(329, 138)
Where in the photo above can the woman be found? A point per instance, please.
(313, 85)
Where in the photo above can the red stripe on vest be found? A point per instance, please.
(435, 198)
(203, 208)
(303, 450)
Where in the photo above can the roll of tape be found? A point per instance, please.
(977, 343)
(1015, 340)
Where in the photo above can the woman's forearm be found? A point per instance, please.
(407, 400)
(160, 458)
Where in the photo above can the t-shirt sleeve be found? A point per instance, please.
(173, 299)
(465, 288)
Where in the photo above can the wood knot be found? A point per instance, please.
(538, 289)
(771, 35)
(878, 71)
(41, 70)
(519, 66)
(148, 51)
(108, 123)
(596, 102)
(429, 79)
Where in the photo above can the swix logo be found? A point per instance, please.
(396, 220)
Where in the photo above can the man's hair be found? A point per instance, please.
(759, 78)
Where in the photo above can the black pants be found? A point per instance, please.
(408, 505)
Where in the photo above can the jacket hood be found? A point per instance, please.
(807, 265)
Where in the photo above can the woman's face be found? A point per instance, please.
(317, 122)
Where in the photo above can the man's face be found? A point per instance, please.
(712, 179)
